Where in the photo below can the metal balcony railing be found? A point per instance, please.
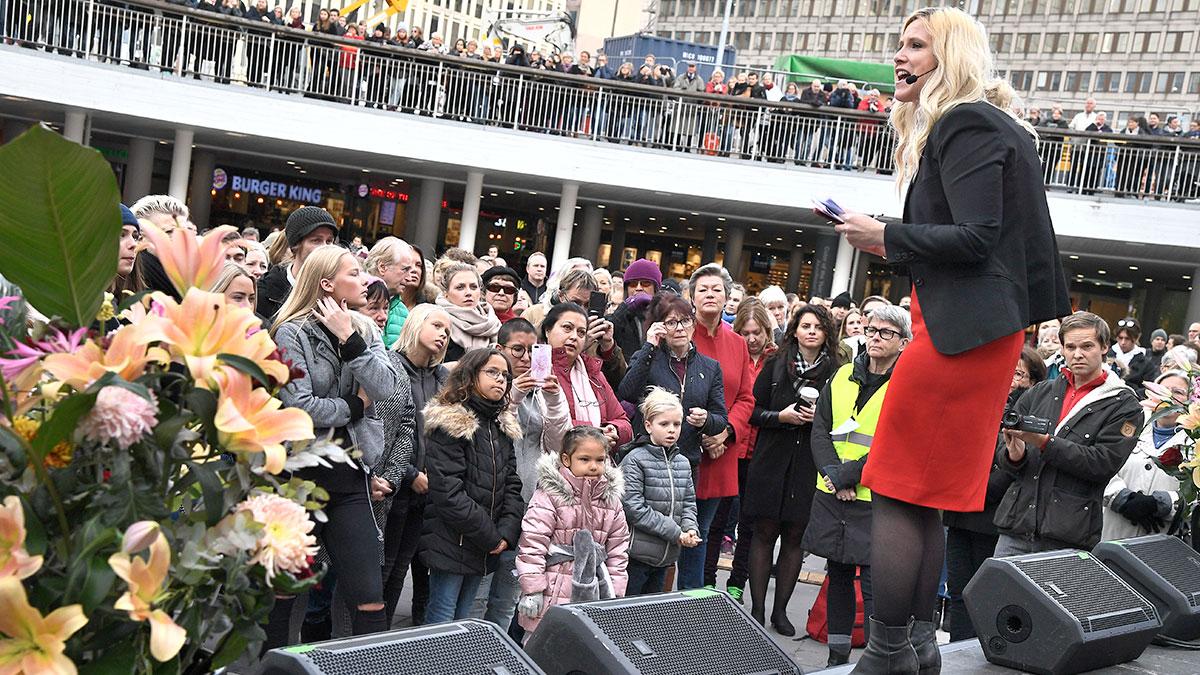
(184, 42)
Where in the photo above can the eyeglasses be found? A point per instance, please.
(883, 333)
(497, 375)
(1126, 323)
(684, 323)
(502, 288)
(516, 350)
(1020, 374)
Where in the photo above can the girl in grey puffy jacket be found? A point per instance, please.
(660, 499)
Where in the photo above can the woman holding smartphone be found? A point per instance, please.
(980, 248)
(590, 399)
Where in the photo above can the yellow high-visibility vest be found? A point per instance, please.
(853, 445)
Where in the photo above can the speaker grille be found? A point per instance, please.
(1174, 561)
(447, 652)
(664, 627)
(1088, 591)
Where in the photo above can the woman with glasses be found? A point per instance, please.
(782, 476)
(1143, 498)
(839, 529)
(668, 359)
(473, 323)
(590, 398)
(474, 510)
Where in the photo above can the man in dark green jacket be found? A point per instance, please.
(1054, 501)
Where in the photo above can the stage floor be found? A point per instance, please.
(967, 657)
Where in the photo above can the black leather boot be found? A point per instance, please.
(924, 642)
(889, 652)
(838, 655)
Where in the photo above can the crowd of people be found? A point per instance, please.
(374, 78)
(549, 436)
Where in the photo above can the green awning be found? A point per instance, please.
(881, 76)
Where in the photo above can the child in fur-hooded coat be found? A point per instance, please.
(555, 565)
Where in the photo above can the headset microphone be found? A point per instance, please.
(912, 79)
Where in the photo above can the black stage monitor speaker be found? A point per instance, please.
(1167, 572)
(698, 632)
(1057, 612)
(468, 647)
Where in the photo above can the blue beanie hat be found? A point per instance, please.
(127, 218)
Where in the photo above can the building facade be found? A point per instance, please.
(1132, 56)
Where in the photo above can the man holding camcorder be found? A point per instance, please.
(1061, 443)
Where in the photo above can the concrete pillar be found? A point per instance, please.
(424, 229)
(587, 244)
(14, 128)
(75, 128)
(139, 169)
(708, 249)
(735, 240)
(1150, 311)
(842, 267)
(823, 262)
(1193, 310)
(181, 163)
(617, 245)
(469, 228)
(566, 224)
(795, 265)
(200, 193)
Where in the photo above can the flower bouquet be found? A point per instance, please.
(144, 526)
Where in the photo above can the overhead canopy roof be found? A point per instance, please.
(881, 76)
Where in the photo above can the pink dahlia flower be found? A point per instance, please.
(119, 415)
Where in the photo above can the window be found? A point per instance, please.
(1138, 82)
(828, 41)
(1062, 7)
(1077, 81)
(846, 41)
(807, 8)
(1027, 43)
(1091, 6)
(666, 8)
(1002, 42)
(1194, 84)
(876, 7)
(1022, 80)
(1168, 83)
(707, 8)
(1055, 43)
(873, 43)
(984, 8)
(902, 7)
(785, 8)
(783, 42)
(1033, 7)
(1085, 43)
(1006, 7)
(764, 42)
(1145, 43)
(1107, 82)
(1049, 81)
(803, 40)
(1177, 42)
(1154, 5)
(1122, 6)
(745, 8)
(767, 8)
(705, 37)
(1114, 43)
(741, 41)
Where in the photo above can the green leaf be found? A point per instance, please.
(213, 491)
(231, 650)
(115, 659)
(14, 447)
(246, 366)
(62, 422)
(59, 222)
(35, 532)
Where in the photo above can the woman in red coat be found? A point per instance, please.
(589, 397)
(717, 475)
(980, 248)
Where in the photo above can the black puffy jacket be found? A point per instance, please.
(474, 497)
(273, 289)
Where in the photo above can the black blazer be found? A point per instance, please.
(977, 237)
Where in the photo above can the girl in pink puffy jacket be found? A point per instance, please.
(574, 539)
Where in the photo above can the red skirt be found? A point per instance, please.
(937, 430)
